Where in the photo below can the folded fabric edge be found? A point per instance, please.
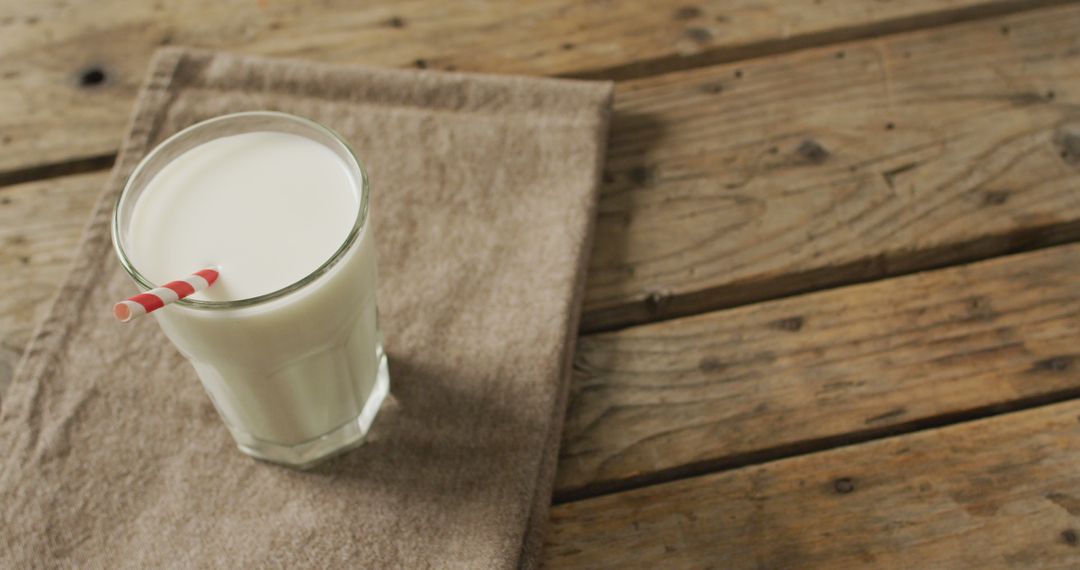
(536, 524)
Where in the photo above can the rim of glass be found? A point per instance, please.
(354, 233)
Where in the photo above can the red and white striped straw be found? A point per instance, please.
(155, 299)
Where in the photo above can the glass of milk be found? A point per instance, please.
(287, 342)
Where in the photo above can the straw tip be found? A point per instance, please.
(122, 312)
(210, 274)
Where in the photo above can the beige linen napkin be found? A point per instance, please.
(484, 192)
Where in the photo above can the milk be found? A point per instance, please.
(268, 207)
(297, 377)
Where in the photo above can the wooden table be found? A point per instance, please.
(833, 313)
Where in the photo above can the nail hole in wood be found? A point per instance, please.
(812, 151)
(1069, 536)
(687, 13)
(699, 35)
(791, 324)
(92, 77)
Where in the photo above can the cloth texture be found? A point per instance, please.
(484, 191)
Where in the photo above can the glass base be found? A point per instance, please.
(339, 440)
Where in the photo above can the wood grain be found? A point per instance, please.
(72, 68)
(40, 224)
(982, 158)
(997, 493)
(743, 182)
(817, 370)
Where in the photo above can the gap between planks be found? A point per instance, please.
(994, 493)
(66, 168)
(808, 447)
(672, 63)
(660, 308)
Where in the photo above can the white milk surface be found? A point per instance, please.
(298, 376)
(267, 207)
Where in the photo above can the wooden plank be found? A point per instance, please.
(73, 68)
(40, 224)
(742, 182)
(817, 370)
(997, 493)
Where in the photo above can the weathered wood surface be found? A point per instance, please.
(40, 224)
(1003, 492)
(74, 67)
(983, 157)
(737, 183)
(725, 185)
(817, 370)
(748, 181)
